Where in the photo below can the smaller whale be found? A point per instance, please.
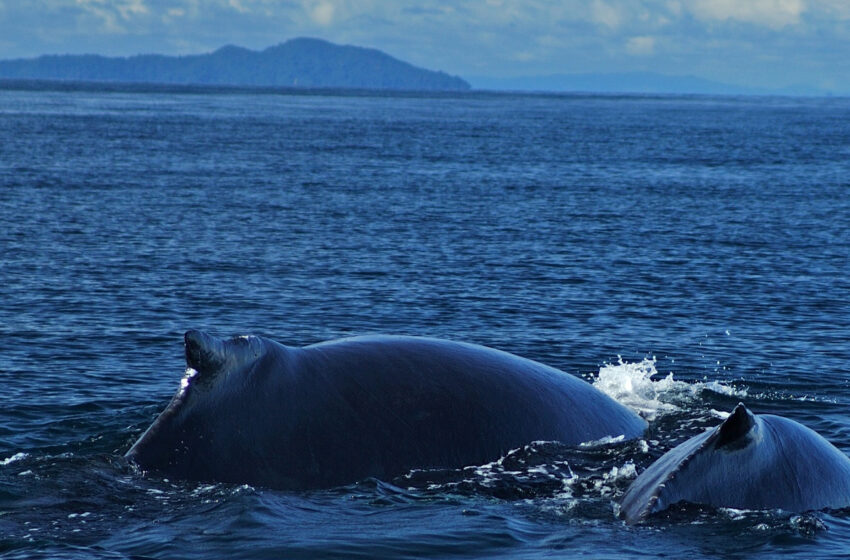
(747, 462)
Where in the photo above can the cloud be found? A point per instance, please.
(522, 56)
(606, 14)
(103, 12)
(833, 8)
(322, 13)
(640, 46)
(132, 8)
(774, 14)
(113, 14)
(237, 5)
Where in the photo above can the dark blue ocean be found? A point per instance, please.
(682, 253)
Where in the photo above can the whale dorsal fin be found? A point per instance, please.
(205, 354)
(735, 427)
(209, 358)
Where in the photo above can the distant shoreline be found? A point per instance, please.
(154, 87)
(59, 85)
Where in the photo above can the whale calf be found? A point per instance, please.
(251, 410)
(747, 462)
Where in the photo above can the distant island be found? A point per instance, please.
(298, 63)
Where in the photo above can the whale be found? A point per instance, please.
(749, 461)
(251, 410)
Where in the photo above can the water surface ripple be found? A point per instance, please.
(703, 236)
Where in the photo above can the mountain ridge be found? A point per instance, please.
(301, 62)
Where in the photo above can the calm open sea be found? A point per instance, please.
(618, 238)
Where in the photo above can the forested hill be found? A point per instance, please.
(309, 63)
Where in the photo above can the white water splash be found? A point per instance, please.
(721, 389)
(605, 485)
(13, 458)
(607, 440)
(186, 379)
(631, 384)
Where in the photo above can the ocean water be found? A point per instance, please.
(682, 253)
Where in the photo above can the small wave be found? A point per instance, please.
(607, 440)
(532, 471)
(790, 396)
(13, 458)
(721, 389)
(632, 384)
(776, 521)
(723, 415)
(606, 484)
(807, 525)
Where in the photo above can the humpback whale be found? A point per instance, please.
(748, 462)
(251, 410)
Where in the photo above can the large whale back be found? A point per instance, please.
(252, 410)
(747, 462)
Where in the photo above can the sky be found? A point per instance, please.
(750, 43)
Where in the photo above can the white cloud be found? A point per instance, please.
(237, 5)
(322, 13)
(523, 56)
(113, 14)
(775, 14)
(173, 14)
(132, 8)
(100, 9)
(606, 14)
(674, 7)
(643, 45)
(835, 8)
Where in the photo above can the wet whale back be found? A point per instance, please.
(747, 462)
(461, 399)
(337, 412)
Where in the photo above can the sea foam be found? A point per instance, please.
(632, 384)
(13, 458)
